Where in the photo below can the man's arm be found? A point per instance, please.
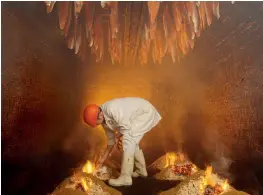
(104, 156)
(110, 146)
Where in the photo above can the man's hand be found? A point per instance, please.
(103, 157)
(119, 142)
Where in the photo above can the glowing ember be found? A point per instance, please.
(194, 168)
(185, 169)
(210, 184)
(225, 185)
(210, 190)
(88, 167)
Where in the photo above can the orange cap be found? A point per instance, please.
(90, 114)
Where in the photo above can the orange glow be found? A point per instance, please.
(211, 180)
(84, 184)
(170, 158)
(194, 169)
(225, 185)
(88, 167)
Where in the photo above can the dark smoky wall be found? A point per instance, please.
(218, 103)
(228, 59)
(42, 87)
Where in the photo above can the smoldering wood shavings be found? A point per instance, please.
(176, 172)
(85, 183)
(191, 186)
(213, 190)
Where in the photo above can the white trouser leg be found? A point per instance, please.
(140, 165)
(130, 144)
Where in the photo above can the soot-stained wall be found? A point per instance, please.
(42, 90)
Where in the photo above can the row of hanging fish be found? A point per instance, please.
(171, 28)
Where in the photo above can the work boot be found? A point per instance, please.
(125, 178)
(140, 165)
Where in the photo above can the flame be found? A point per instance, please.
(170, 159)
(88, 167)
(225, 185)
(84, 184)
(181, 157)
(210, 179)
(208, 171)
(194, 168)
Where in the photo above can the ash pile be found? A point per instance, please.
(88, 181)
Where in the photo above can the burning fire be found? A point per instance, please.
(88, 167)
(84, 184)
(210, 185)
(172, 157)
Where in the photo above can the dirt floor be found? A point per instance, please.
(147, 186)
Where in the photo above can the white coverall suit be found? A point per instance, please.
(132, 117)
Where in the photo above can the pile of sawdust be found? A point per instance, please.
(169, 173)
(159, 164)
(191, 186)
(84, 184)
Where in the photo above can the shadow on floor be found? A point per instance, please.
(147, 186)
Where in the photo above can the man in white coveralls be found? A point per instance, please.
(132, 117)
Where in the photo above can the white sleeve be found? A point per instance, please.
(110, 136)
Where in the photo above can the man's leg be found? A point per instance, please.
(140, 165)
(127, 165)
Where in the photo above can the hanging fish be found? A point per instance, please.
(98, 38)
(202, 15)
(70, 41)
(91, 40)
(177, 15)
(113, 5)
(183, 9)
(50, 5)
(83, 46)
(89, 16)
(78, 38)
(77, 7)
(209, 12)
(216, 9)
(153, 8)
(87, 31)
(161, 43)
(173, 51)
(63, 13)
(189, 31)
(68, 20)
(195, 17)
(189, 7)
(104, 4)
